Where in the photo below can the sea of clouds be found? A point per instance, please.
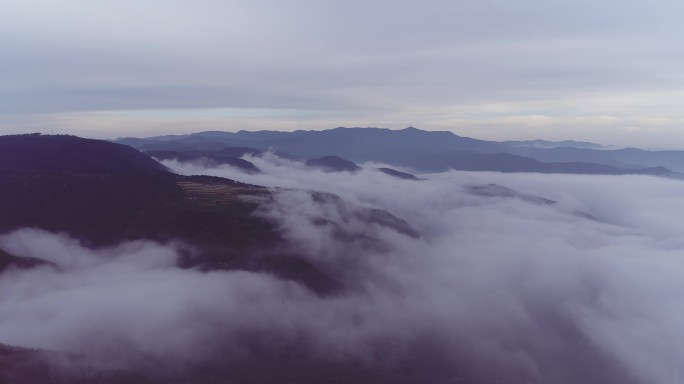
(495, 290)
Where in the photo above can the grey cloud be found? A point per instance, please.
(325, 55)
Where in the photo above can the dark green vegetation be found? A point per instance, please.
(427, 151)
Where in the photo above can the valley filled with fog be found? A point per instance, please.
(515, 278)
(341, 192)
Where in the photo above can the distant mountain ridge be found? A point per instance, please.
(432, 151)
(554, 144)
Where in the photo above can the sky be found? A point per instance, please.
(607, 71)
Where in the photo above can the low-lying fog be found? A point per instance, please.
(496, 289)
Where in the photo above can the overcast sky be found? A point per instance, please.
(607, 71)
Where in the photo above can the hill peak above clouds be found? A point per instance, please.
(64, 153)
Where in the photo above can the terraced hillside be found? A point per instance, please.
(212, 192)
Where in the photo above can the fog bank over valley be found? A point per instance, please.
(501, 277)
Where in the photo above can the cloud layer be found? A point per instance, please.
(490, 69)
(495, 288)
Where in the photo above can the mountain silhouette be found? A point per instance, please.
(333, 164)
(207, 159)
(432, 151)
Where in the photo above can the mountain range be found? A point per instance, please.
(429, 151)
(106, 193)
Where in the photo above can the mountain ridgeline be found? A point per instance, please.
(103, 193)
(428, 151)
